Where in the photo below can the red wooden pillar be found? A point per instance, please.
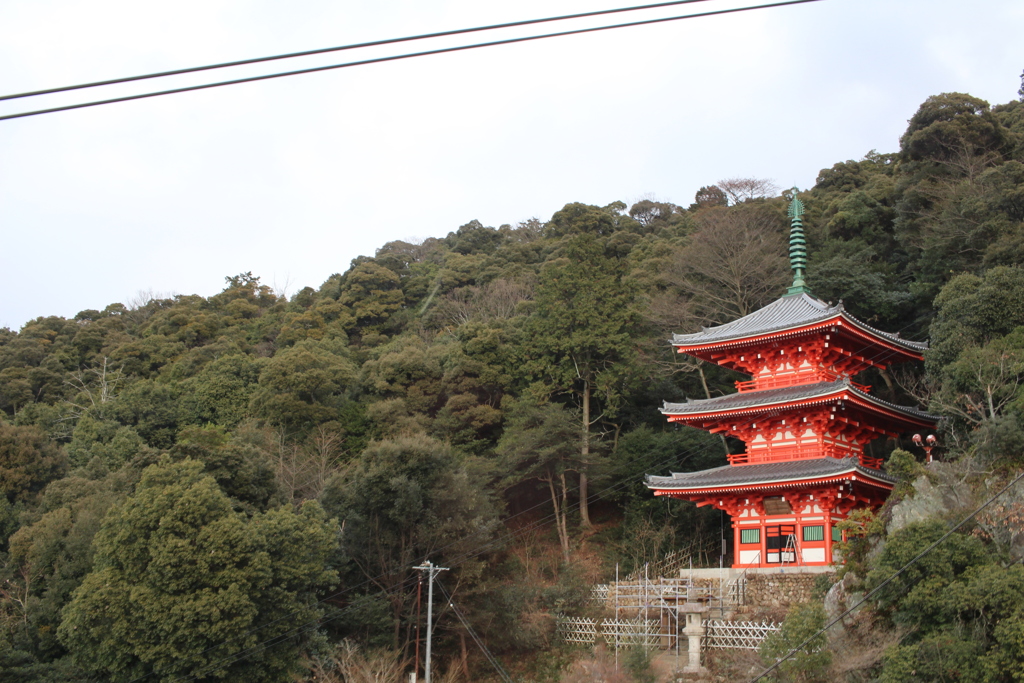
(763, 559)
(828, 538)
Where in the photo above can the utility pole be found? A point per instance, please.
(432, 571)
(419, 601)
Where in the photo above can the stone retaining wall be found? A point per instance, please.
(779, 590)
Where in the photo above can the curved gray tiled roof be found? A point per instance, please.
(781, 314)
(769, 397)
(775, 472)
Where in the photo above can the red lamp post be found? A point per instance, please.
(927, 444)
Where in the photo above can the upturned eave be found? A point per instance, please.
(798, 396)
(790, 317)
(769, 477)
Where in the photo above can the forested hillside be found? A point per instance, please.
(238, 487)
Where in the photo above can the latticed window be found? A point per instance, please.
(750, 535)
(837, 535)
(814, 533)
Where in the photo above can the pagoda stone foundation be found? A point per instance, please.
(803, 422)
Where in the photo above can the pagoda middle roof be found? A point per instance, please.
(791, 311)
(745, 476)
(751, 400)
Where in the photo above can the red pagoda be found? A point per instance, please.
(804, 422)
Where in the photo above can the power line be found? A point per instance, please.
(378, 60)
(480, 643)
(466, 556)
(889, 580)
(454, 562)
(354, 46)
(432, 572)
(475, 552)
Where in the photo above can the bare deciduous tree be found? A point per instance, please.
(302, 470)
(140, 307)
(350, 664)
(732, 265)
(647, 209)
(16, 593)
(496, 300)
(94, 387)
(740, 190)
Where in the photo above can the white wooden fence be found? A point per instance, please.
(718, 634)
(615, 632)
(735, 635)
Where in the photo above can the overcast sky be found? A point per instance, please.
(293, 178)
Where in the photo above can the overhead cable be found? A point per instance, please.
(472, 633)
(478, 550)
(340, 48)
(456, 561)
(393, 58)
(885, 583)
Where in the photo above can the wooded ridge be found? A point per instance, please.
(238, 487)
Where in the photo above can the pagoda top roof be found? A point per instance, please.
(746, 476)
(765, 398)
(790, 311)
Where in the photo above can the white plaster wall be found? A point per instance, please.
(814, 554)
(750, 556)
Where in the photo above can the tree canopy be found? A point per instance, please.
(187, 480)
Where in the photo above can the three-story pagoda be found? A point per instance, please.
(804, 422)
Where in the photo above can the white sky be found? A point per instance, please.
(292, 178)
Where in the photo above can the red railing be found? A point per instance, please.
(773, 383)
(801, 454)
(868, 461)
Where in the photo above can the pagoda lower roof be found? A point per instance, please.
(767, 476)
(755, 401)
(790, 312)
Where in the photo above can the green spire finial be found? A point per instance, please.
(797, 246)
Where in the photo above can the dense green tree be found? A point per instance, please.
(435, 387)
(146, 356)
(245, 287)
(405, 500)
(303, 385)
(709, 196)
(809, 664)
(28, 462)
(220, 392)
(984, 382)
(151, 408)
(539, 444)
(909, 598)
(181, 584)
(653, 215)
(15, 389)
(372, 292)
(49, 557)
(108, 440)
(651, 526)
(963, 610)
(942, 215)
(473, 237)
(581, 340)
(973, 310)
(951, 128)
(243, 470)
